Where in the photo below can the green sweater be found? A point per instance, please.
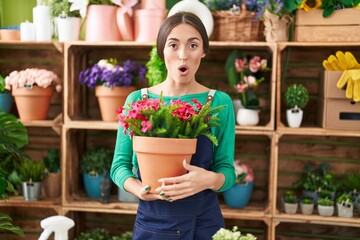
(223, 161)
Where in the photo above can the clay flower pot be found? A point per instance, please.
(161, 158)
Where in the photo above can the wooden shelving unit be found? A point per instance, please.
(276, 152)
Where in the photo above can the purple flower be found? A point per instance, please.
(108, 72)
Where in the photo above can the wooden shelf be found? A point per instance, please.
(316, 131)
(94, 124)
(19, 201)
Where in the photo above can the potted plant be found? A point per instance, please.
(244, 74)
(277, 18)
(291, 202)
(113, 83)
(5, 96)
(344, 205)
(233, 234)
(67, 22)
(238, 196)
(52, 179)
(32, 90)
(100, 233)
(307, 205)
(325, 207)
(161, 132)
(31, 174)
(351, 185)
(95, 165)
(296, 99)
(156, 69)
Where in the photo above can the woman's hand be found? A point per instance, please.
(196, 180)
(134, 186)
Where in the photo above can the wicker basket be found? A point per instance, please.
(237, 27)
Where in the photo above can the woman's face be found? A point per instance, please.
(182, 53)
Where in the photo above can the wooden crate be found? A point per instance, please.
(342, 26)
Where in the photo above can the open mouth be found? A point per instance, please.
(183, 70)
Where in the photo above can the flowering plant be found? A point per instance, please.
(234, 234)
(243, 172)
(233, 5)
(107, 72)
(329, 6)
(30, 76)
(155, 118)
(245, 73)
(276, 7)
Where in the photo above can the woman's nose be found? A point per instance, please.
(182, 54)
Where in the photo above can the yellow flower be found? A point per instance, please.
(308, 5)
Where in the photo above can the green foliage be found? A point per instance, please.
(96, 161)
(62, 7)
(31, 171)
(307, 200)
(290, 197)
(156, 69)
(13, 136)
(102, 234)
(344, 199)
(296, 95)
(52, 161)
(234, 234)
(325, 202)
(352, 182)
(316, 178)
(6, 225)
(101, 2)
(2, 85)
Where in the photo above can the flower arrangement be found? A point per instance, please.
(243, 172)
(276, 7)
(234, 234)
(109, 73)
(155, 118)
(62, 8)
(30, 76)
(329, 6)
(233, 5)
(245, 73)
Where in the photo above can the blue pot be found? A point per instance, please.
(5, 102)
(238, 196)
(92, 185)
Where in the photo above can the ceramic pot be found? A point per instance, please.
(32, 103)
(5, 102)
(68, 28)
(162, 158)
(147, 24)
(294, 117)
(151, 4)
(31, 190)
(92, 185)
(125, 25)
(247, 117)
(276, 29)
(307, 209)
(326, 211)
(10, 35)
(345, 210)
(238, 196)
(110, 99)
(291, 208)
(101, 24)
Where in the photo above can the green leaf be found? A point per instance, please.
(347, 3)
(5, 224)
(232, 76)
(328, 11)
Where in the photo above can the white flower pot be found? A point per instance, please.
(307, 209)
(345, 211)
(326, 211)
(68, 28)
(294, 117)
(291, 208)
(247, 117)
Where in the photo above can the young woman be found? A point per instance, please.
(187, 206)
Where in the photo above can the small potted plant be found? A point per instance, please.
(95, 166)
(67, 22)
(233, 234)
(5, 96)
(31, 174)
(291, 202)
(351, 185)
(344, 205)
(238, 196)
(52, 180)
(113, 83)
(307, 205)
(296, 99)
(325, 207)
(32, 90)
(156, 69)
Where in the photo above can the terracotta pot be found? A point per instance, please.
(147, 24)
(125, 25)
(10, 35)
(101, 24)
(162, 158)
(32, 103)
(110, 99)
(151, 4)
(52, 185)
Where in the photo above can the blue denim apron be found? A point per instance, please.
(196, 217)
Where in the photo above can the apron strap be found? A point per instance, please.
(210, 96)
(144, 94)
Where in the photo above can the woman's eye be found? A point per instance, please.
(193, 45)
(172, 45)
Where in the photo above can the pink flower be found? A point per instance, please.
(240, 64)
(243, 172)
(255, 64)
(251, 81)
(241, 87)
(146, 126)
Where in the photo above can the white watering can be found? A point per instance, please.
(60, 225)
